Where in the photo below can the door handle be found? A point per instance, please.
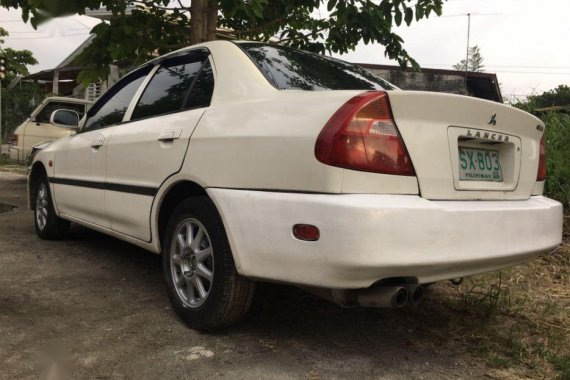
(169, 135)
(97, 143)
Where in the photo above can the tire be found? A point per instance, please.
(201, 278)
(48, 225)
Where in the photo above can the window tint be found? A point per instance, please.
(111, 108)
(201, 93)
(293, 69)
(169, 87)
(44, 115)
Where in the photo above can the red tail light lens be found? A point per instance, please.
(541, 176)
(362, 135)
(306, 232)
(14, 139)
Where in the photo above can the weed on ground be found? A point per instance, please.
(517, 320)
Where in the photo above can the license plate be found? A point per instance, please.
(479, 165)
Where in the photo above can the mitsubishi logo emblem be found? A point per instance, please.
(493, 119)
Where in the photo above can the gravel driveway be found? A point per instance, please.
(98, 306)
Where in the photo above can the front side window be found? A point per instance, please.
(168, 88)
(112, 106)
(45, 114)
(293, 69)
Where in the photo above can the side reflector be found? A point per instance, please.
(306, 232)
(541, 176)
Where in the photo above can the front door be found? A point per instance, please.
(79, 174)
(80, 162)
(144, 151)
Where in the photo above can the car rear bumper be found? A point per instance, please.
(365, 238)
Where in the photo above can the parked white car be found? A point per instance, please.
(37, 129)
(242, 161)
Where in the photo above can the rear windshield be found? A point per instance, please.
(293, 69)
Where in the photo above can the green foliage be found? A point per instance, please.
(560, 96)
(475, 61)
(160, 26)
(16, 60)
(17, 104)
(557, 141)
(562, 364)
(558, 156)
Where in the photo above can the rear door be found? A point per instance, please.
(150, 146)
(79, 167)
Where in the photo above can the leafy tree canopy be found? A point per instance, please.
(560, 96)
(475, 61)
(141, 29)
(16, 60)
(16, 103)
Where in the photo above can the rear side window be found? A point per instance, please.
(44, 115)
(201, 93)
(168, 89)
(111, 108)
(294, 69)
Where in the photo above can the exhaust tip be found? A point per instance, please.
(400, 298)
(417, 296)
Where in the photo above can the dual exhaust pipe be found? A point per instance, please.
(390, 296)
(379, 296)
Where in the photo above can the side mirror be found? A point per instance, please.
(65, 119)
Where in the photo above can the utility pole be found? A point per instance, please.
(467, 54)
(469, 36)
(2, 75)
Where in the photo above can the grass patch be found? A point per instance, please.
(8, 165)
(558, 156)
(517, 320)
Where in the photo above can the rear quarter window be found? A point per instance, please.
(294, 69)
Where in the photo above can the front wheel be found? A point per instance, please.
(201, 279)
(48, 225)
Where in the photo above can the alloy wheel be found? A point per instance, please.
(42, 206)
(192, 262)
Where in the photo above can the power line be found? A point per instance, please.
(44, 37)
(505, 66)
(531, 72)
(473, 14)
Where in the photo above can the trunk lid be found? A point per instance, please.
(468, 148)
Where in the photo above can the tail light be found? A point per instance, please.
(541, 176)
(362, 135)
(14, 139)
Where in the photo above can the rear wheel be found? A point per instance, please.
(201, 279)
(48, 225)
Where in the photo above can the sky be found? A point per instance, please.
(52, 42)
(525, 42)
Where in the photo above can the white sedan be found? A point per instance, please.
(242, 161)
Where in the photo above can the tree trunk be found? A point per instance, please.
(197, 21)
(212, 17)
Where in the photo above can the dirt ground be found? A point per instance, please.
(98, 306)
